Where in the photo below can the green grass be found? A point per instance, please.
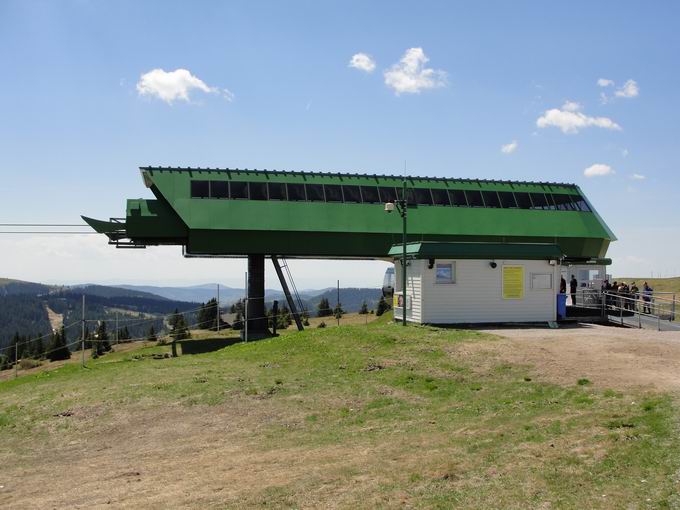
(448, 429)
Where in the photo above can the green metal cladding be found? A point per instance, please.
(213, 226)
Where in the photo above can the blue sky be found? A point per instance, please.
(74, 126)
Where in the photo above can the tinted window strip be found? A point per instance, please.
(354, 194)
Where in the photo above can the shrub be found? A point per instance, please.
(322, 324)
(27, 363)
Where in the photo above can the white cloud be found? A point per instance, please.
(509, 148)
(363, 62)
(598, 170)
(638, 177)
(570, 120)
(410, 75)
(629, 89)
(171, 86)
(604, 82)
(571, 106)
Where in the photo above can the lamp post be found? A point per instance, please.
(401, 206)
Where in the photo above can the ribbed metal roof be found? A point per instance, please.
(350, 175)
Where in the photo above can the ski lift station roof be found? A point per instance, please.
(232, 212)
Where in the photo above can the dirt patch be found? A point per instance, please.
(56, 319)
(607, 356)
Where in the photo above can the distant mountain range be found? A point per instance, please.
(30, 308)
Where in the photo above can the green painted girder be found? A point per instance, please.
(338, 230)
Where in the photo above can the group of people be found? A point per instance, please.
(632, 293)
(628, 295)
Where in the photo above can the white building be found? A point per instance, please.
(455, 283)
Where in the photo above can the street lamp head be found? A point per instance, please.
(389, 207)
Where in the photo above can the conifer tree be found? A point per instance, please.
(324, 308)
(382, 306)
(364, 308)
(58, 349)
(179, 330)
(38, 348)
(151, 336)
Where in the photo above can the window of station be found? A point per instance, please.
(581, 204)
(277, 190)
(474, 198)
(296, 192)
(491, 199)
(564, 203)
(238, 189)
(387, 194)
(507, 199)
(423, 196)
(333, 192)
(351, 194)
(457, 197)
(369, 194)
(539, 201)
(354, 194)
(551, 202)
(200, 189)
(219, 189)
(315, 192)
(523, 200)
(440, 196)
(258, 190)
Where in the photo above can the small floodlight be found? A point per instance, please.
(389, 207)
(493, 265)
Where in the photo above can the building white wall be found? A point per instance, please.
(413, 290)
(477, 294)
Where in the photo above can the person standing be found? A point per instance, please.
(647, 292)
(563, 285)
(573, 284)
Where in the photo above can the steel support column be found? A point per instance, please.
(257, 322)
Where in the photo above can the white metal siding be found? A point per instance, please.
(413, 288)
(477, 295)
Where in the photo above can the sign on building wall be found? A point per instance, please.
(513, 282)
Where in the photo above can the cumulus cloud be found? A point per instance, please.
(570, 119)
(410, 75)
(629, 89)
(598, 170)
(363, 62)
(638, 177)
(171, 86)
(509, 148)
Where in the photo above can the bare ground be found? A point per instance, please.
(609, 357)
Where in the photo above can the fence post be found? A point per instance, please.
(621, 310)
(639, 319)
(658, 322)
(673, 308)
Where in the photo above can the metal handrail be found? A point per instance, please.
(615, 301)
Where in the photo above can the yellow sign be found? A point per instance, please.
(513, 282)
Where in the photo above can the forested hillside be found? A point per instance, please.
(24, 314)
(27, 315)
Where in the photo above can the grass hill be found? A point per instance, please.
(376, 416)
(658, 284)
